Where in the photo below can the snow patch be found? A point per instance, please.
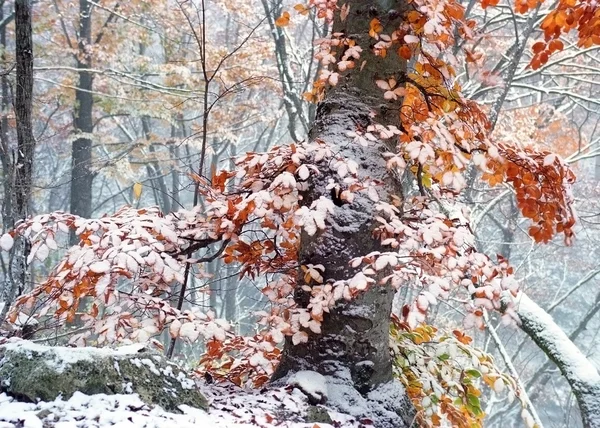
(312, 384)
(61, 357)
(186, 382)
(382, 405)
(230, 407)
(151, 366)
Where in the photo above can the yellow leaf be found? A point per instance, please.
(301, 9)
(137, 190)
(426, 180)
(449, 106)
(375, 28)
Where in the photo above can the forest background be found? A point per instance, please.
(131, 100)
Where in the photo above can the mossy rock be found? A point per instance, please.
(33, 372)
(316, 414)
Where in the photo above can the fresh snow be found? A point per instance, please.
(230, 407)
(6, 242)
(574, 365)
(312, 384)
(379, 406)
(572, 362)
(64, 357)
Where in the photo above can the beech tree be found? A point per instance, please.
(369, 203)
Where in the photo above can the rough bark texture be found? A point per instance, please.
(355, 335)
(7, 174)
(20, 167)
(23, 103)
(581, 374)
(81, 153)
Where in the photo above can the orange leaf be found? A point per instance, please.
(405, 52)
(375, 28)
(283, 20)
(538, 47)
(487, 3)
(556, 45)
(301, 9)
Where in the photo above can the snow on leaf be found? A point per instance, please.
(313, 272)
(174, 328)
(383, 85)
(385, 259)
(101, 285)
(372, 193)
(42, 252)
(498, 385)
(188, 331)
(299, 337)
(360, 281)
(314, 326)
(100, 267)
(409, 38)
(303, 172)
(549, 159)
(6, 242)
(285, 180)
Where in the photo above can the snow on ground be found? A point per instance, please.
(313, 384)
(286, 405)
(230, 407)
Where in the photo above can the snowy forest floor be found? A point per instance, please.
(229, 407)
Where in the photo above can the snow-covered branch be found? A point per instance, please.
(576, 368)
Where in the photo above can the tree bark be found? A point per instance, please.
(354, 343)
(155, 173)
(21, 169)
(23, 105)
(81, 152)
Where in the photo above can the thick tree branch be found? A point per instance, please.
(575, 367)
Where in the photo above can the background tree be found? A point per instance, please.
(18, 162)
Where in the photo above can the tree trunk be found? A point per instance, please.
(22, 167)
(23, 104)
(7, 173)
(159, 185)
(354, 344)
(81, 153)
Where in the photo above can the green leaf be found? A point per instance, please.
(473, 373)
(473, 400)
(473, 405)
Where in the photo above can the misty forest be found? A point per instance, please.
(300, 213)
